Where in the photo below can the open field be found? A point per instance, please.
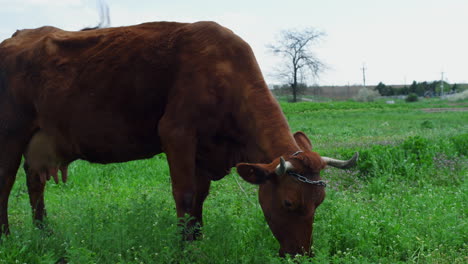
(405, 202)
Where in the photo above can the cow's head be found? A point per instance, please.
(290, 191)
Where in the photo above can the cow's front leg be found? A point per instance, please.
(189, 202)
(189, 190)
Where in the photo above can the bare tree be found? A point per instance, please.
(296, 49)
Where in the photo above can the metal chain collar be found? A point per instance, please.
(305, 180)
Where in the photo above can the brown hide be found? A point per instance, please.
(193, 91)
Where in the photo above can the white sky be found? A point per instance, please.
(398, 40)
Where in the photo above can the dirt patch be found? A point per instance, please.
(435, 110)
(457, 104)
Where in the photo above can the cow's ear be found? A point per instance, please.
(302, 140)
(255, 173)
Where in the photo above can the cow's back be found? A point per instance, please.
(101, 93)
(94, 91)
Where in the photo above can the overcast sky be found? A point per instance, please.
(397, 40)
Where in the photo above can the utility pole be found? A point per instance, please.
(442, 84)
(348, 94)
(364, 74)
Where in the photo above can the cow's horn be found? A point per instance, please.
(342, 164)
(283, 167)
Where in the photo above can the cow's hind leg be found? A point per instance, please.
(16, 129)
(36, 195)
(11, 149)
(7, 178)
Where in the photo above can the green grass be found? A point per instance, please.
(350, 124)
(405, 202)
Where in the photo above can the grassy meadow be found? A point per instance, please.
(405, 202)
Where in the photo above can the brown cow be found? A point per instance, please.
(193, 91)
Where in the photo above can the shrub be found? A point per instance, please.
(427, 124)
(375, 161)
(418, 150)
(458, 96)
(408, 159)
(366, 95)
(412, 97)
(460, 143)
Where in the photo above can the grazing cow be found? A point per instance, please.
(193, 91)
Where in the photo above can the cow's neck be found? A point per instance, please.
(267, 127)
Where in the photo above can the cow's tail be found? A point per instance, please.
(104, 17)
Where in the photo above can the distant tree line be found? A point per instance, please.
(285, 89)
(301, 89)
(419, 88)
